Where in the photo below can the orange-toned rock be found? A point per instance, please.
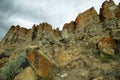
(40, 63)
(109, 10)
(88, 17)
(107, 45)
(27, 74)
(70, 27)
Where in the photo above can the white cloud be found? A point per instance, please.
(55, 12)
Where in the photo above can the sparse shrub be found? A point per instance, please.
(106, 58)
(96, 52)
(13, 67)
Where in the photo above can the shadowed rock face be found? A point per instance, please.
(70, 27)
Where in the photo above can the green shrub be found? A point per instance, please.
(13, 67)
(106, 58)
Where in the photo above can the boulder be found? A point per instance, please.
(88, 17)
(27, 74)
(107, 45)
(42, 65)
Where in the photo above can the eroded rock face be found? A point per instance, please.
(107, 45)
(88, 17)
(41, 64)
(15, 34)
(109, 10)
(57, 32)
(70, 26)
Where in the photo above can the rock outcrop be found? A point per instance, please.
(85, 49)
(15, 34)
(70, 27)
(86, 18)
(18, 34)
(109, 10)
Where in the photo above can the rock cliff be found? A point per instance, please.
(85, 49)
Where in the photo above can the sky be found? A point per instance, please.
(55, 12)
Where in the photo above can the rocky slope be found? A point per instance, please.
(86, 49)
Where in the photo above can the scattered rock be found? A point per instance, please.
(62, 58)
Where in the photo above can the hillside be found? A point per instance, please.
(85, 49)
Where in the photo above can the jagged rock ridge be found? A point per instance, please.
(109, 10)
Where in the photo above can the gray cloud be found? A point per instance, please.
(29, 12)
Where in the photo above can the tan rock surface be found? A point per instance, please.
(88, 17)
(26, 74)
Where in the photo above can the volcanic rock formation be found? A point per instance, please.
(85, 49)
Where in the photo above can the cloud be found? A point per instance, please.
(28, 12)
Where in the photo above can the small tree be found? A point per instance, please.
(9, 71)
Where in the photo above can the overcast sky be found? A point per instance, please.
(55, 12)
